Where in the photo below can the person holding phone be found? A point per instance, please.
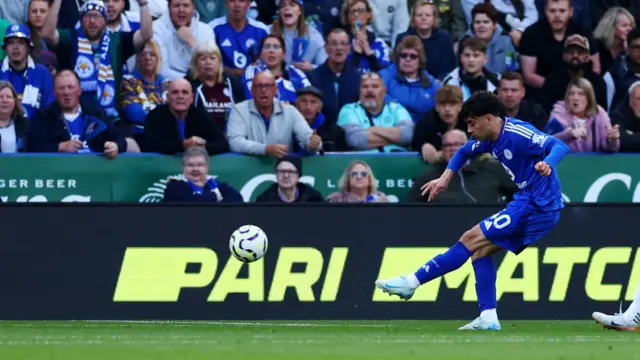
(369, 53)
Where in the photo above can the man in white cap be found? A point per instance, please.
(33, 82)
(95, 54)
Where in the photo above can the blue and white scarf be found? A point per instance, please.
(100, 80)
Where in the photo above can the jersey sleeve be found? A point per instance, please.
(467, 151)
(527, 138)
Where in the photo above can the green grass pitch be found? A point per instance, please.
(311, 340)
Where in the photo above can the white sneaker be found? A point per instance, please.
(614, 322)
(397, 286)
(482, 324)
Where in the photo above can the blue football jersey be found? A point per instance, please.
(518, 148)
(288, 85)
(236, 47)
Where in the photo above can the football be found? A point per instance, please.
(248, 243)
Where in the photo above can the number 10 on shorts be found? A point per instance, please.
(498, 221)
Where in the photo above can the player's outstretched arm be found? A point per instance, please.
(556, 150)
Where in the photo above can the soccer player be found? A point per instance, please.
(530, 158)
(622, 321)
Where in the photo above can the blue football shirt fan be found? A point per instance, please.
(290, 81)
(530, 157)
(239, 48)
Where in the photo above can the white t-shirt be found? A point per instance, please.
(8, 140)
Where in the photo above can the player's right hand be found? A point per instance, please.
(434, 187)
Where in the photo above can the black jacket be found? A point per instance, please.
(48, 129)
(555, 86)
(623, 77)
(21, 126)
(306, 193)
(180, 191)
(533, 113)
(233, 83)
(348, 92)
(481, 182)
(161, 134)
(430, 130)
(624, 117)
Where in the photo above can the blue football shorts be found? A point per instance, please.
(519, 225)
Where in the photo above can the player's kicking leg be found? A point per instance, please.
(472, 241)
(623, 321)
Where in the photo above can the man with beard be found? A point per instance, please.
(33, 82)
(542, 45)
(94, 53)
(288, 188)
(196, 185)
(511, 93)
(238, 36)
(177, 35)
(71, 125)
(374, 124)
(577, 63)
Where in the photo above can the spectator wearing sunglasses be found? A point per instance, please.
(407, 80)
(358, 185)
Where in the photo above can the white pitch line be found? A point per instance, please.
(94, 323)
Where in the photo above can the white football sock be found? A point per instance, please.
(490, 315)
(413, 281)
(633, 312)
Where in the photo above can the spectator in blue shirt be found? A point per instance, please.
(437, 42)
(407, 82)
(238, 36)
(369, 53)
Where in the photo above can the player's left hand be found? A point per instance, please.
(543, 168)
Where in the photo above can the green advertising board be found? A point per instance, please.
(585, 178)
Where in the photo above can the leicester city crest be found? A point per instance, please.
(108, 94)
(85, 68)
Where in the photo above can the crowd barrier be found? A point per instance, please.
(141, 261)
(142, 178)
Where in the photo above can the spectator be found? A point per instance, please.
(408, 82)
(542, 45)
(178, 34)
(427, 137)
(288, 188)
(291, 25)
(581, 12)
(72, 125)
(482, 181)
(436, 41)
(79, 50)
(176, 126)
(611, 35)
(288, 78)
(156, 7)
(338, 80)
(32, 82)
(38, 11)
(514, 16)
(237, 35)
(502, 56)
(368, 53)
(577, 64)
(511, 94)
(627, 118)
(4, 25)
(118, 20)
(13, 123)
(358, 185)
(473, 76)
(450, 15)
(624, 71)
(14, 10)
(323, 15)
(143, 90)
(214, 91)
(599, 8)
(391, 18)
(265, 126)
(309, 103)
(374, 124)
(195, 184)
(581, 123)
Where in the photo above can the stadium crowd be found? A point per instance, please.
(292, 77)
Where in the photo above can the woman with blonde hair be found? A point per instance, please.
(581, 123)
(143, 89)
(437, 43)
(291, 25)
(368, 52)
(611, 35)
(13, 123)
(213, 89)
(358, 185)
